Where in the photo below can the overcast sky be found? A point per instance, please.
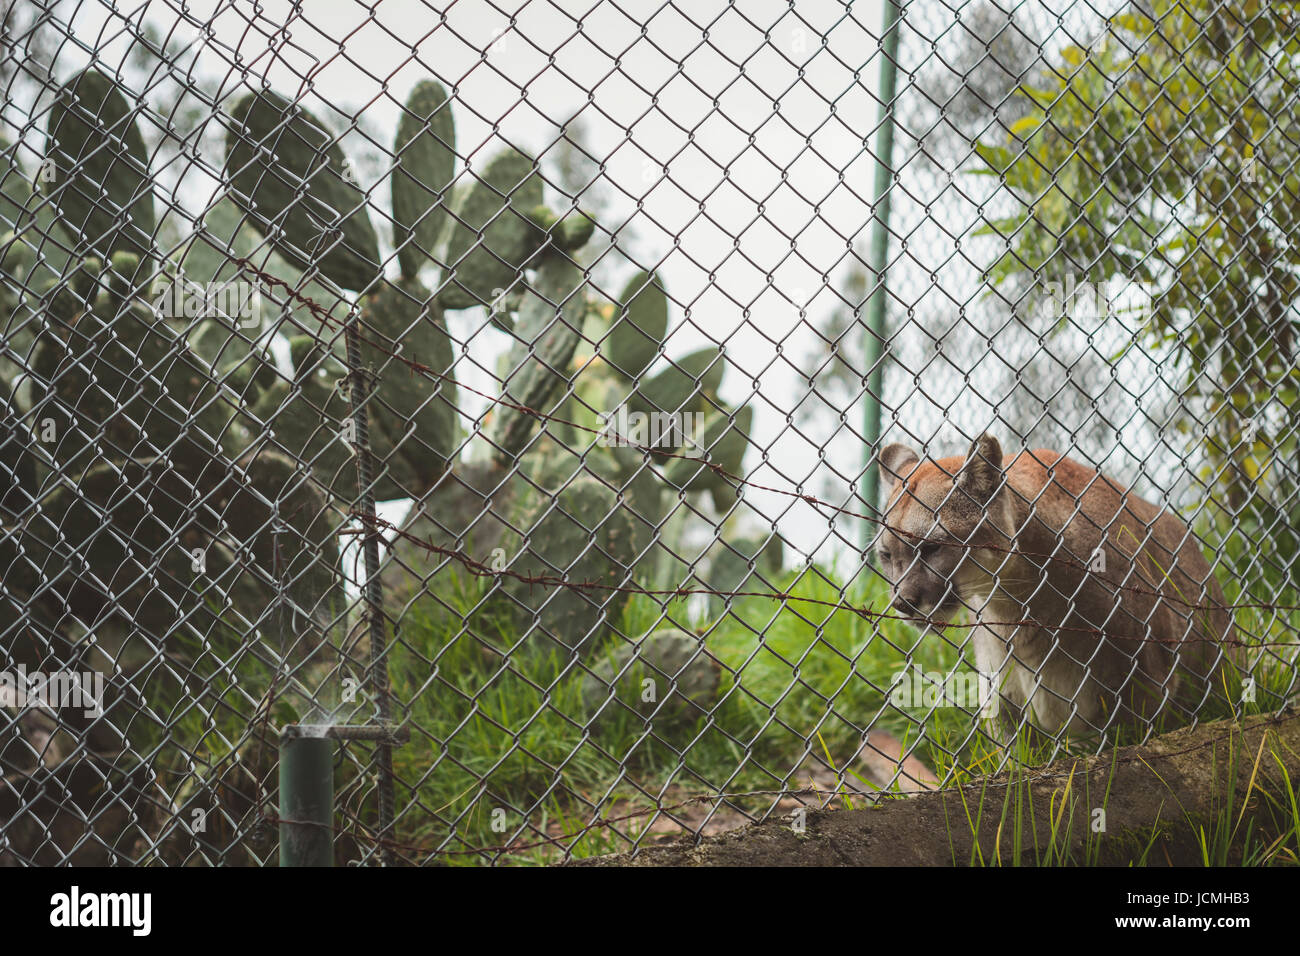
(737, 142)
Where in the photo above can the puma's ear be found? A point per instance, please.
(897, 462)
(981, 473)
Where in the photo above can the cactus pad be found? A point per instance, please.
(724, 442)
(426, 160)
(101, 183)
(663, 659)
(491, 237)
(274, 150)
(633, 343)
(307, 416)
(414, 417)
(683, 385)
(585, 537)
(549, 329)
(127, 386)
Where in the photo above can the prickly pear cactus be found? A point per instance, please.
(633, 343)
(746, 564)
(166, 432)
(237, 345)
(425, 151)
(724, 440)
(282, 520)
(143, 573)
(548, 332)
(133, 538)
(637, 390)
(97, 171)
(685, 385)
(473, 510)
(306, 416)
(501, 244)
(34, 251)
(123, 386)
(20, 473)
(143, 509)
(298, 189)
(416, 424)
(491, 235)
(585, 538)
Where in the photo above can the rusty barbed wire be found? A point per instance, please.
(323, 315)
(481, 569)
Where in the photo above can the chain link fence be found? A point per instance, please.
(574, 415)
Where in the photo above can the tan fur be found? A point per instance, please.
(1071, 648)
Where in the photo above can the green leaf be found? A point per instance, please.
(1025, 124)
(998, 158)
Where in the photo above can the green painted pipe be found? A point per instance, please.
(879, 254)
(306, 799)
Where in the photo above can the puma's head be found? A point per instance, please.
(938, 514)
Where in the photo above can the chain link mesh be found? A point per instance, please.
(525, 377)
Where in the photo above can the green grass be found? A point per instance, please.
(509, 732)
(506, 749)
(1260, 828)
(509, 750)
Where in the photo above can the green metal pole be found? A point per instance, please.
(879, 254)
(306, 799)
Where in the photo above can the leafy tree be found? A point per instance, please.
(1163, 156)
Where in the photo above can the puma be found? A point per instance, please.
(1090, 608)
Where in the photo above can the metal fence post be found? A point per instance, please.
(360, 386)
(307, 785)
(306, 799)
(879, 254)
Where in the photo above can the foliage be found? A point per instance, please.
(1152, 159)
(174, 492)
